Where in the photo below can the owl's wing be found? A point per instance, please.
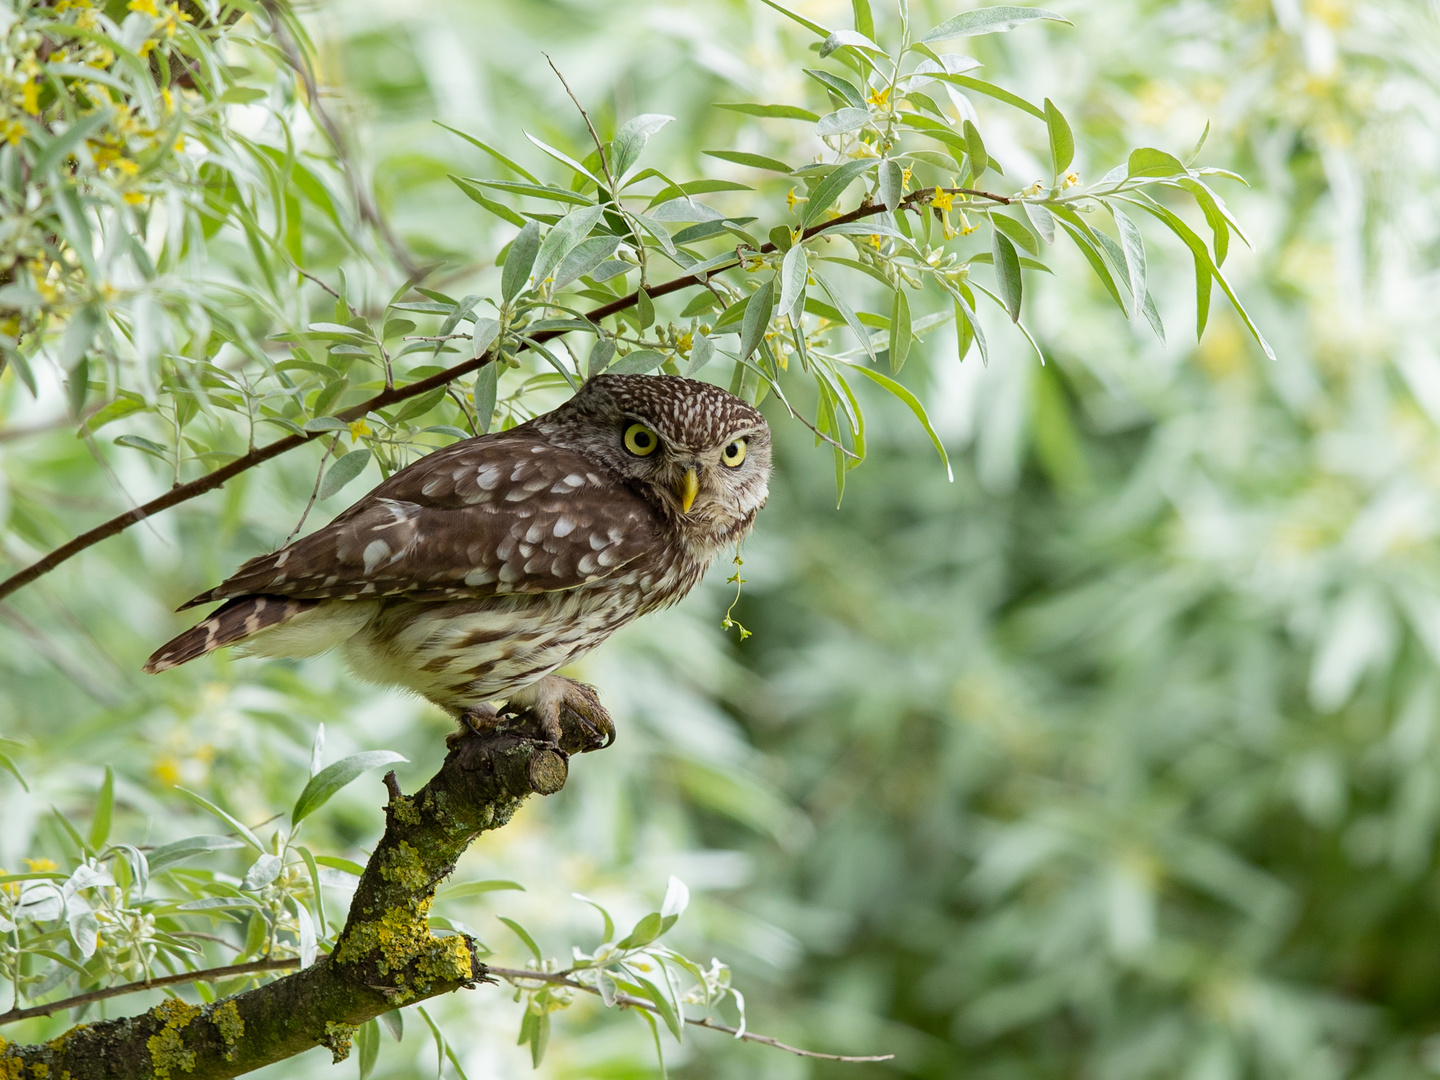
(507, 513)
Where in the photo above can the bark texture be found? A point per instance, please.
(385, 957)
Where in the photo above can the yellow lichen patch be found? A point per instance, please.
(448, 960)
(402, 808)
(167, 1048)
(228, 1021)
(402, 865)
(337, 1037)
(398, 936)
(40, 1070)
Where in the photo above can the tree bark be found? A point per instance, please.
(384, 958)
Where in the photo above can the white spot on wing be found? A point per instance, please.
(375, 552)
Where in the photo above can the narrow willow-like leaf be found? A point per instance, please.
(1133, 248)
(900, 333)
(990, 20)
(630, 140)
(831, 188)
(346, 468)
(794, 274)
(777, 112)
(332, 778)
(846, 312)
(1007, 272)
(913, 403)
(1062, 142)
(757, 318)
(523, 250)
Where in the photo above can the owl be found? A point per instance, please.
(470, 576)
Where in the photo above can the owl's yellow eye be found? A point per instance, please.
(640, 440)
(734, 453)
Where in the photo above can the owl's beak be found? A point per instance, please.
(686, 489)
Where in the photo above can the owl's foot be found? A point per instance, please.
(569, 712)
(474, 719)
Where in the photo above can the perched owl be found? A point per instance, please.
(474, 573)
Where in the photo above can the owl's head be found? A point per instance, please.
(700, 455)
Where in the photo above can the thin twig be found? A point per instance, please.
(259, 455)
(435, 337)
(306, 273)
(206, 975)
(314, 492)
(562, 978)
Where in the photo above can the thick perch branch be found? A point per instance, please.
(396, 394)
(385, 957)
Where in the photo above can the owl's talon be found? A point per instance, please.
(473, 720)
(569, 713)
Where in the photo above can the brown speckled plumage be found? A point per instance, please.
(480, 569)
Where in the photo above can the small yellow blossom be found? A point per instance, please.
(943, 200)
(127, 166)
(879, 96)
(167, 770)
(173, 18)
(359, 428)
(11, 131)
(41, 865)
(1071, 179)
(30, 98)
(874, 240)
(135, 198)
(791, 199)
(905, 176)
(167, 97)
(10, 328)
(864, 150)
(147, 46)
(145, 7)
(1035, 188)
(685, 342)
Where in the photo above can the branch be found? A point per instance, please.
(179, 979)
(562, 978)
(385, 957)
(394, 395)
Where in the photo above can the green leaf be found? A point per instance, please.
(900, 330)
(864, 21)
(1017, 232)
(116, 410)
(486, 388)
(639, 362)
(846, 312)
(1062, 142)
(139, 442)
(563, 239)
(492, 152)
(523, 250)
(840, 39)
(831, 188)
(915, 407)
(662, 1006)
(814, 28)
(343, 865)
(332, 778)
(524, 935)
(794, 274)
(104, 811)
(1042, 219)
(892, 186)
(394, 1022)
(539, 191)
(205, 804)
(777, 112)
(644, 309)
(180, 850)
(346, 468)
(841, 121)
(841, 88)
(646, 930)
(991, 20)
(584, 258)
(980, 86)
(367, 1048)
(475, 888)
(702, 351)
(754, 161)
(9, 766)
(979, 159)
(601, 353)
(757, 318)
(630, 140)
(1133, 248)
(1147, 161)
(500, 210)
(1007, 271)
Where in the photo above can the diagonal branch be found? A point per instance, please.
(384, 958)
(394, 395)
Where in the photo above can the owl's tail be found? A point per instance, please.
(234, 620)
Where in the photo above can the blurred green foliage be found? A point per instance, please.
(1116, 757)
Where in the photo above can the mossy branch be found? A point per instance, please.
(384, 958)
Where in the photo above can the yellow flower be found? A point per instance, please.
(167, 771)
(127, 166)
(864, 150)
(1071, 179)
(135, 198)
(685, 342)
(879, 95)
(11, 131)
(791, 200)
(41, 866)
(359, 428)
(905, 176)
(943, 200)
(1035, 188)
(147, 46)
(874, 240)
(30, 98)
(145, 7)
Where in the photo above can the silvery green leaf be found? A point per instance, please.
(677, 898)
(630, 140)
(518, 262)
(175, 852)
(563, 238)
(840, 38)
(40, 900)
(891, 183)
(1007, 270)
(484, 335)
(1133, 248)
(991, 20)
(794, 272)
(486, 388)
(308, 946)
(85, 931)
(601, 353)
(345, 469)
(334, 777)
(685, 210)
(87, 877)
(1062, 142)
(262, 872)
(585, 257)
(757, 318)
(841, 121)
(1042, 219)
(317, 749)
(639, 362)
(1147, 161)
(702, 351)
(832, 187)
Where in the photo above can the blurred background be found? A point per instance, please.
(1116, 757)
